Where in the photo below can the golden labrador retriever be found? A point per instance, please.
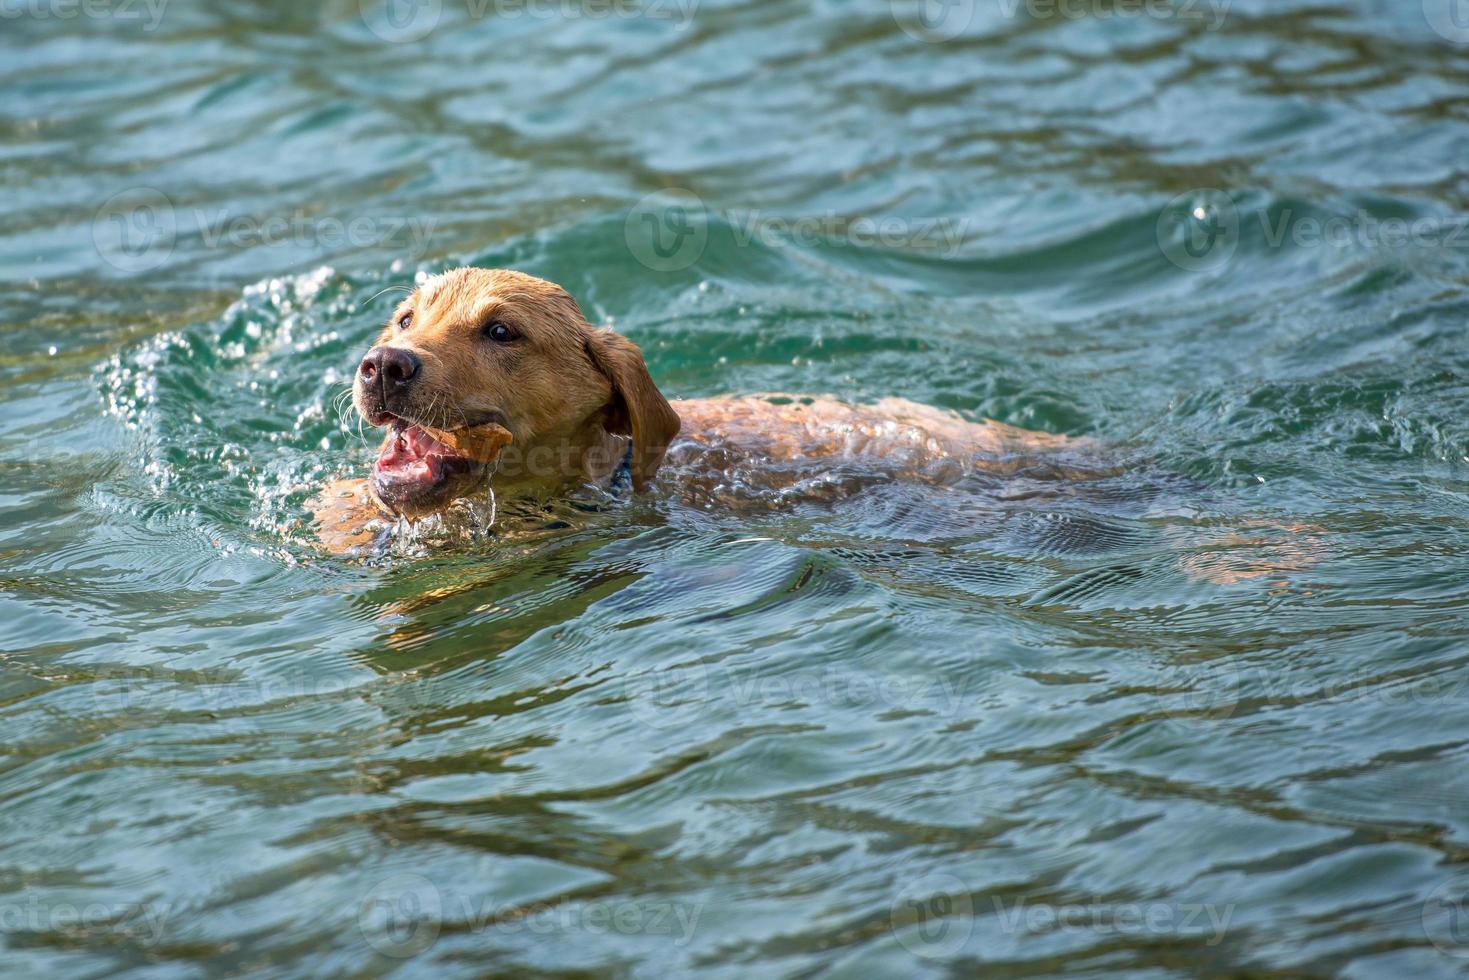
(485, 373)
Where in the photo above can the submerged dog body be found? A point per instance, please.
(477, 351)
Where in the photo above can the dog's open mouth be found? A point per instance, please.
(420, 468)
(415, 470)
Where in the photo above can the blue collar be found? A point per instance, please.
(622, 475)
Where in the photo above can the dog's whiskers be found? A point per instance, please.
(342, 404)
(490, 486)
(387, 289)
(339, 404)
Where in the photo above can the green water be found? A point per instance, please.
(993, 729)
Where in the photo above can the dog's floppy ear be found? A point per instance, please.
(638, 408)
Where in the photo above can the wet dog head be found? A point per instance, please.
(478, 346)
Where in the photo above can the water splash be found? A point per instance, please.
(403, 540)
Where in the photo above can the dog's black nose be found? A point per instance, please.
(395, 365)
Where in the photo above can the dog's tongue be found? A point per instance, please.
(420, 442)
(410, 444)
(416, 450)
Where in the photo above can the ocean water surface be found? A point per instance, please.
(1207, 714)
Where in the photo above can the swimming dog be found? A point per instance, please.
(483, 373)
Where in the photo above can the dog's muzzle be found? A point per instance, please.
(386, 375)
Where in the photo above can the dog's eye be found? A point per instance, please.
(500, 331)
(405, 321)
